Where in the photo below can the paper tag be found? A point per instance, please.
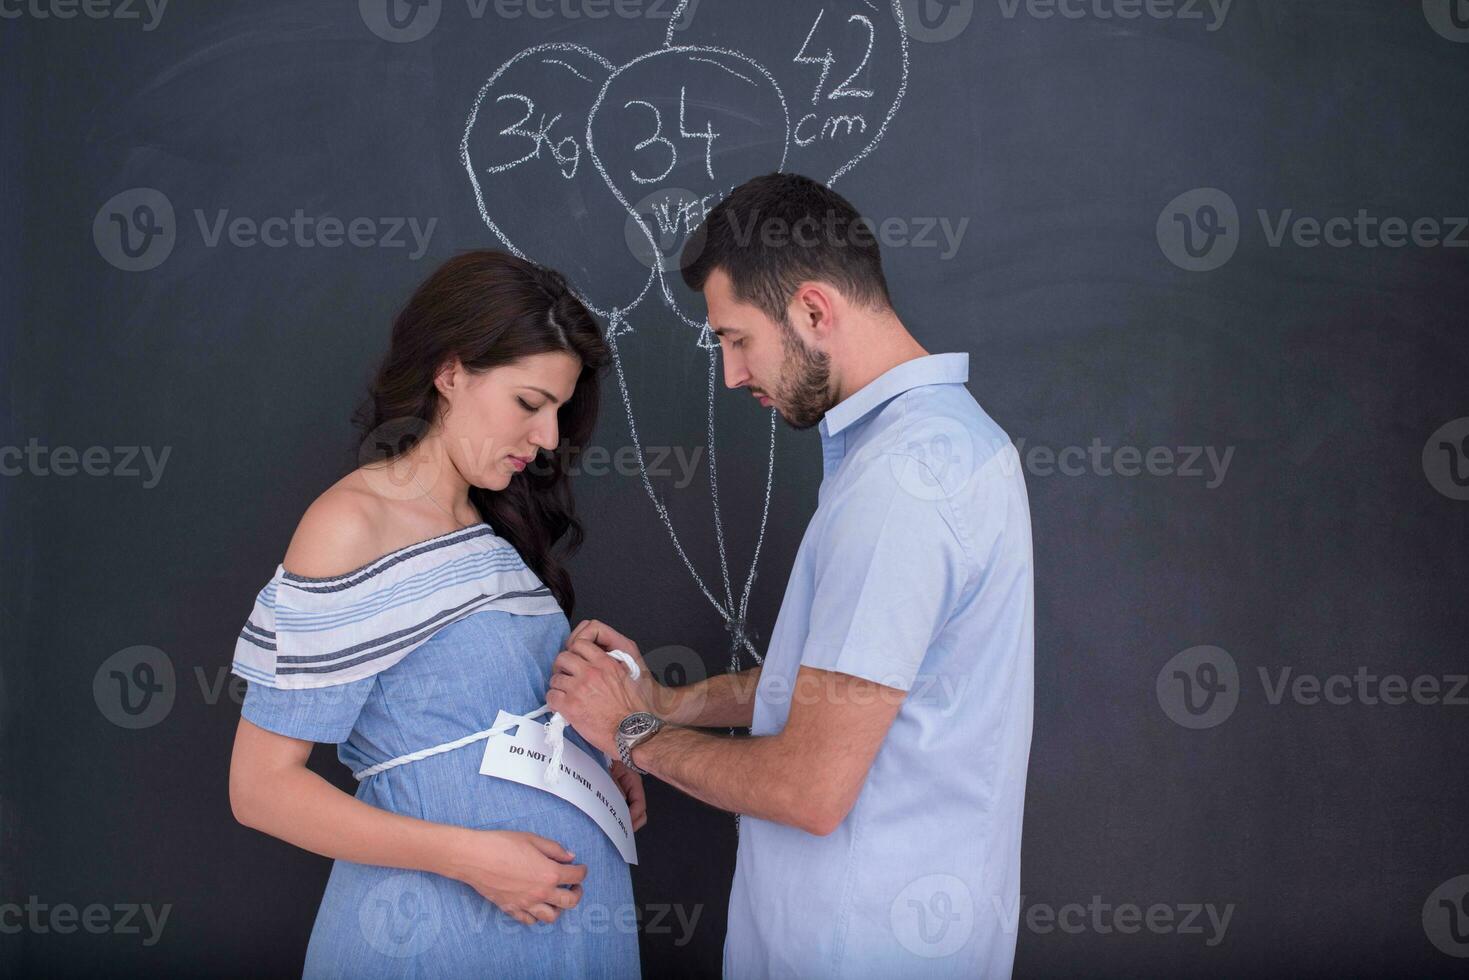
(522, 758)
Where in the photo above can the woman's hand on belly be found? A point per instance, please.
(526, 876)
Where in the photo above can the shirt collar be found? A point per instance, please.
(933, 369)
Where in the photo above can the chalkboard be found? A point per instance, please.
(1208, 260)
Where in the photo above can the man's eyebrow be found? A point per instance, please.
(554, 399)
(721, 331)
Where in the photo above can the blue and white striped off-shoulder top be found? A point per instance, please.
(314, 632)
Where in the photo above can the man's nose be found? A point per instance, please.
(735, 375)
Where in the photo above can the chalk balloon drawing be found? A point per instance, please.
(605, 171)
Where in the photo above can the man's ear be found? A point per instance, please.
(813, 307)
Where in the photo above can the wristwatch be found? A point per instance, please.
(633, 730)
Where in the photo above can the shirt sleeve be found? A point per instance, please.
(325, 712)
(890, 569)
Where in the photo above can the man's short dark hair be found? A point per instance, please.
(774, 232)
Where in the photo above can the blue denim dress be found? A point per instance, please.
(418, 648)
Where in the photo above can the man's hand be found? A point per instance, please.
(661, 698)
(595, 692)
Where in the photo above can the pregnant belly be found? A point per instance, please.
(450, 789)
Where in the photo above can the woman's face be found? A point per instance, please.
(497, 420)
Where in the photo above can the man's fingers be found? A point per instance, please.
(567, 663)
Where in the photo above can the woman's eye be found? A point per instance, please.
(528, 408)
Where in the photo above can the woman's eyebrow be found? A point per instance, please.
(554, 399)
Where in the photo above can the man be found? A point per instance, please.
(883, 783)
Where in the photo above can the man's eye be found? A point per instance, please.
(738, 343)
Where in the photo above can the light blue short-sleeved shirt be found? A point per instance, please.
(915, 572)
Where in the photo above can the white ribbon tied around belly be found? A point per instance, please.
(555, 735)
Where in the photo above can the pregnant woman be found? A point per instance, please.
(420, 594)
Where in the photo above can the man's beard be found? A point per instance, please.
(802, 397)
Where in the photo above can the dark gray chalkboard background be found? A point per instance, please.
(1327, 547)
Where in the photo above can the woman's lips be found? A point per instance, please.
(519, 462)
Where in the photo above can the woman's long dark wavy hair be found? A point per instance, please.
(489, 308)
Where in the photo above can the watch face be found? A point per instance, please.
(634, 725)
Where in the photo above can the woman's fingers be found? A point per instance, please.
(571, 874)
(544, 912)
(638, 807)
(604, 636)
(567, 897)
(585, 650)
(550, 848)
(632, 788)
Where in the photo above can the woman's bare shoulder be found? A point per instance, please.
(339, 532)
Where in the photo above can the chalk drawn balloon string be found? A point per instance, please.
(734, 658)
(616, 328)
(714, 494)
(737, 624)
